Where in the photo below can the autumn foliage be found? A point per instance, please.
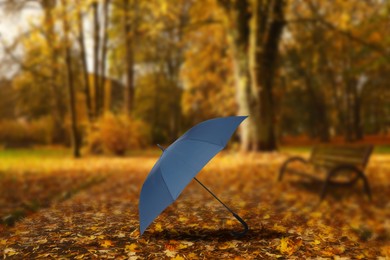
(116, 134)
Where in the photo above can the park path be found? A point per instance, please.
(284, 219)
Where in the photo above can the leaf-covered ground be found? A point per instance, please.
(285, 219)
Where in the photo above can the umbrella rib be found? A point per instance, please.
(162, 177)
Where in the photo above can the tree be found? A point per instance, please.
(104, 50)
(128, 35)
(333, 51)
(266, 30)
(54, 50)
(83, 57)
(70, 81)
(208, 87)
(255, 30)
(96, 61)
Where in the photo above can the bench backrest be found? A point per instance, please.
(332, 155)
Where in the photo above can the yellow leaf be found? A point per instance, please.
(3, 241)
(228, 245)
(182, 246)
(106, 243)
(131, 248)
(327, 253)
(178, 258)
(10, 251)
(386, 251)
(266, 216)
(183, 219)
(185, 244)
(316, 242)
(158, 227)
(42, 241)
(316, 214)
(43, 256)
(229, 222)
(339, 249)
(209, 248)
(279, 228)
(192, 256)
(284, 246)
(170, 253)
(289, 246)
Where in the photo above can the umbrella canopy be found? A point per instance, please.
(180, 163)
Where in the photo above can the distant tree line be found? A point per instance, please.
(295, 67)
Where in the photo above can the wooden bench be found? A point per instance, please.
(342, 165)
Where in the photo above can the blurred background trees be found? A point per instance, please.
(315, 69)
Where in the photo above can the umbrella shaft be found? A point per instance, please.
(209, 191)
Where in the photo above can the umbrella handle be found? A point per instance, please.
(243, 223)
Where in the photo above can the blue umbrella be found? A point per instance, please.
(180, 163)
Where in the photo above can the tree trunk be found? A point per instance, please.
(52, 43)
(357, 127)
(105, 103)
(70, 82)
(319, 119)
(96, 47)
(266, 30)
(237, 23)
(129, 60)
(83, 56)
(353, 125)
(255, 39)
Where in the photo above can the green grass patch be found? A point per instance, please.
(295, 149)
(382, 149)
(34, 153)
(378, 149)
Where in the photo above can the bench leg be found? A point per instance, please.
(281, 172)
(325, 188)
(346, 167)
(284, 165)
(366, 186)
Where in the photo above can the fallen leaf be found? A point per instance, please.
(279, 228)
(106, 243)
(289, 246)
(170, 253)
(10, 251)
(158, 227)
(131, 248)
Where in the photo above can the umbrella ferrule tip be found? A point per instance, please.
(162, 148)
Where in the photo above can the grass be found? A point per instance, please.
(382, 149)
(295, 149)
(379, 149)
(49, 159)
(16, 160)
(35, 152)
